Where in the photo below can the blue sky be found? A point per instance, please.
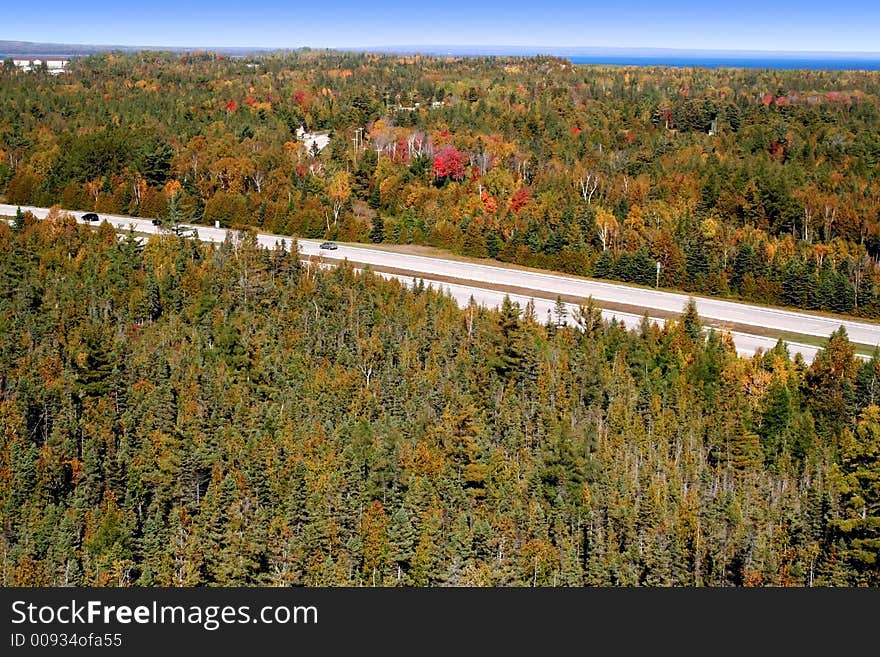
(808, 25)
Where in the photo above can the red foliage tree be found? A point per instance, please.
(401, 153)
(231, 106)
(520, 199)
(449, 163)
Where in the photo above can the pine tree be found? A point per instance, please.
(18, 222)
(560, 312)
(508, 348)
(776, 419)
(152, 298)
(376, 548)
(867, 383)
(377, 232)
(401, 536)
(708, 363)
(831, 381)
(23, 457)
(157, 567)
(691, 322)
(95, 363)
(460, 548)
(494, 244)
(428, 555)
(604, 265)
(859, 528)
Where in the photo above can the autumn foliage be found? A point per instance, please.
(752, 185)
(520, 199)
(425, 445)
(449, 163)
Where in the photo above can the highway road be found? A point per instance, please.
(738, 316)
(745, 343)
(725, 312)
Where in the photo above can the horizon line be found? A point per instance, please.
(482, 49)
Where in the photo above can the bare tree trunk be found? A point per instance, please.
(588, 185)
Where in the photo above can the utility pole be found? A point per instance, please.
(358, 132)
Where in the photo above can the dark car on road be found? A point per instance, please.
(329, 245)
(156, 222)
(91, 216)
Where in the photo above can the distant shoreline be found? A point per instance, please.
(645, 57)
(777, 63)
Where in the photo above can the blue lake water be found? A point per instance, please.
(832, 64)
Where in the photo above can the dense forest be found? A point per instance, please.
(759, 185)
(181, 413)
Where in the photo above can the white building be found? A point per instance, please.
(318, 140)
(54, 65)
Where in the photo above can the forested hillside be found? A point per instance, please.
(760, 185)
(179, 413)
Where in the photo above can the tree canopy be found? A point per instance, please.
(177, 413)
(754, 184)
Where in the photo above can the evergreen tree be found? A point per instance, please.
(859, 526)
(560, 312)
(867, 383)
(776, 419)
(508, 346)
(376, 548)
(377, 232)
(18, 221)
(152, 298)
(604, 265)
(402, 540)
(427, 555)
(691, 322)
(494, 244)
(831, 379)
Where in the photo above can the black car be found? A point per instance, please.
(91, 216)
(156, 222)
(329, 245)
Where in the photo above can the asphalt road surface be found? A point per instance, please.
(746, 344)
(733, 314)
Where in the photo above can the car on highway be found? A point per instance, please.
(91, 216)
(328, 245)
